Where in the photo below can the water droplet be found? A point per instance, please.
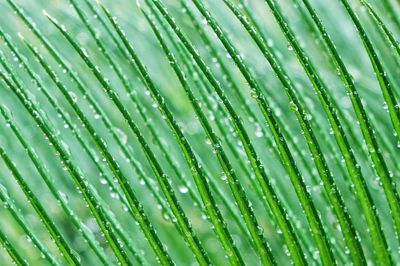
(293, 106)
(165, 215)
(122, 136)
(63, 196)
(73, 96)
(258, 132)
(183, 189)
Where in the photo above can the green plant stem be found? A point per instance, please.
(270, 195)
(69, 255)
(201, 84)
(197, 172)
(45, 176)
(245, 104)
(372, 145)
(301, 113)
(294, 173)
(5, 198)
(177, 210)
(390, 9)
(127, 189)
(392, 40)
(237, 190)
(385, 83)
(75, 172)
(84, 144)
(143, 221)
(148, 124)
(343, 117)
(15, 256)
(230, 143)
(140, 109)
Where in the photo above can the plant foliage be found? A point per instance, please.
(196, 132)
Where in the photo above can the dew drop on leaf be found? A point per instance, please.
(122, 136)
(183, 189)
(73, 96)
